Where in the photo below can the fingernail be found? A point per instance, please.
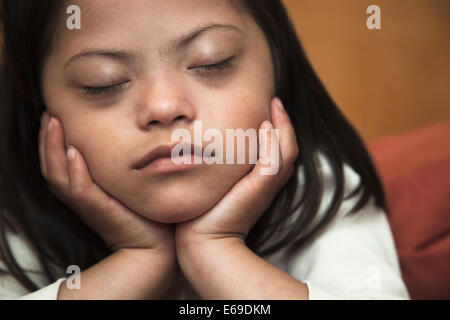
(279, 104)
(71, 153)
(51, 123)
(267, 125)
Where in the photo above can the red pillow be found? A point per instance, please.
(415, 171)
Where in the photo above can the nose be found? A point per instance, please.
(163, 102)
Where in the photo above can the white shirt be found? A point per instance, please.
(353, 257)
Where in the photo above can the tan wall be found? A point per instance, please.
(386, 81)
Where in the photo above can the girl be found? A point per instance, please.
(81, 107)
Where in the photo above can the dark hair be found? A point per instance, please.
(60, 237)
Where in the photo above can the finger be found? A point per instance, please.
(288, 140)
(264, 174)
(42, 136)
(269, 150)
(245, 196)
(42, 155)
(55, 157)
(93, 202)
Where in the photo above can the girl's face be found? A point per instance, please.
(159, 86)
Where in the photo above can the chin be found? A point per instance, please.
(176, 217)
(173, 213)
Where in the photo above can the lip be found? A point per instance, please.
(160, 157)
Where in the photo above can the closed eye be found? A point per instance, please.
(95, 91)
(223, 65)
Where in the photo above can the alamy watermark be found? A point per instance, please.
(213, 152)
(73, 281)
(374, 20)
(73, 22)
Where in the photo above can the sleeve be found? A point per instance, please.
(49, 292)
(353, 257)
(11, 288)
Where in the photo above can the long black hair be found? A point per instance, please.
(59, 237)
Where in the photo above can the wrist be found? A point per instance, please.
(126, 274)
(167, 247)
(199, 240)
(164, 255)
(202, 261)
(201, 250)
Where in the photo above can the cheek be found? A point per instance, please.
(94, 143)
(249, 112)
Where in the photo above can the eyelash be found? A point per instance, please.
(95, 91)
(226, 64)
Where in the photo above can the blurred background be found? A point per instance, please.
(386, 81)
(393, 85)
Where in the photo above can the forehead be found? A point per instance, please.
(145, 22)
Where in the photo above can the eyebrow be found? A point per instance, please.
(172, 46)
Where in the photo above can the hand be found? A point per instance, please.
(243, 205)
(71, 182)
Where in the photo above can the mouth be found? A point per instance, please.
(165, 151)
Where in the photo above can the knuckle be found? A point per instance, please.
(44, 172)
(54, 179)
(110, 207)
(291, 170)
(77, 192)
(292, 156)
(289, 159)
(288, 173)
(296, 151)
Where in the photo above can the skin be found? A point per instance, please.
(164, 91)
(213, 207)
